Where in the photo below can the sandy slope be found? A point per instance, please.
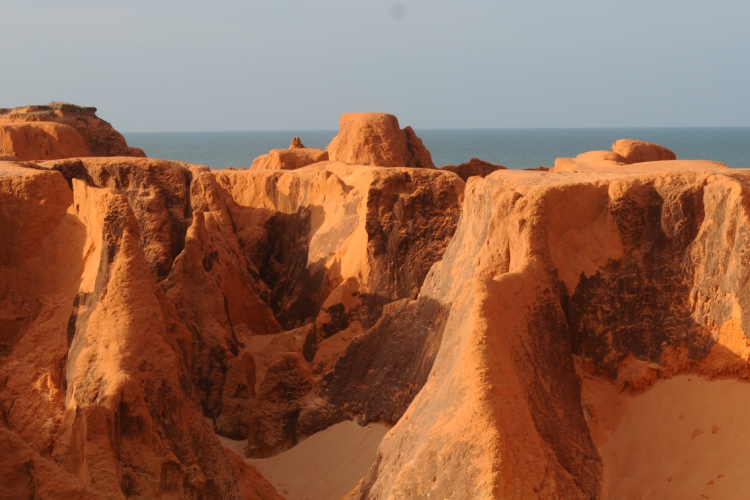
(325, 466)
(684, 438)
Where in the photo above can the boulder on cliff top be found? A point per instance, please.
(624, 152)
(98, 136)
(633, 151)
(297, 156)
(296, 143)
(376, 139)
(473, 168)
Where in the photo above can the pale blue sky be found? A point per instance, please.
(241, 65)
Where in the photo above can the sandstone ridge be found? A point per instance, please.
(59, 130)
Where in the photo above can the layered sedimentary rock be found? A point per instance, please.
(47, 133)
(376, 139)
(472, 168)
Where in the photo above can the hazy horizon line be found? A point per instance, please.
(443, 129)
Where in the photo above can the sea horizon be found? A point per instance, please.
(514, 148)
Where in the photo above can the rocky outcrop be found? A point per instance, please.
(148, 305)
(545, 270)
(633, 151)
(335, 243)
(26, 474)
(624, 152)
(289, 159)
(296, 143)
(376, 139)
(48, 134)
(472, 168)
(176, 287)
(96, 361)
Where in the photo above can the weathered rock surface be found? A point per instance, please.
(289, 159)
(46, 141)
(376, 139)
(472, 168)
(611, 267)
(624, 152)
(147, 305)
(154, 294)
(41, 141)
(633, 151)
(335, 243)
(95, 360)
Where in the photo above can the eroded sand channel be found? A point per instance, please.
(684, 438)
(325, 466)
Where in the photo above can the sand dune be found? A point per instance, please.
(685, 438)
(325, 466)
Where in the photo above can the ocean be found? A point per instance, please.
(513, 148)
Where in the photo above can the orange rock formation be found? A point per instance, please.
(44, 133)
(624, 152)
(297, 156)
(503, 324)
(376, 139)
(471, 168)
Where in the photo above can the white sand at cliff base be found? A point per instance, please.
(685, 438)
(325, 466)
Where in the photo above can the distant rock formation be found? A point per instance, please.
(472, 168)
(289, 159)
(44, 133)
(633, 151)
(296, 143)
(624, 152)
(376, 139)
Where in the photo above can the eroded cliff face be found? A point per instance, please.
(96, 362)
(622, 274)
(141, 296)
(148, 305)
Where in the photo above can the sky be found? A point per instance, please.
(198, 65)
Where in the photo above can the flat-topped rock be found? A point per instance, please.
(289, 159)
(376, 139)
(97, 137)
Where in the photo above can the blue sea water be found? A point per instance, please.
(514, 148)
